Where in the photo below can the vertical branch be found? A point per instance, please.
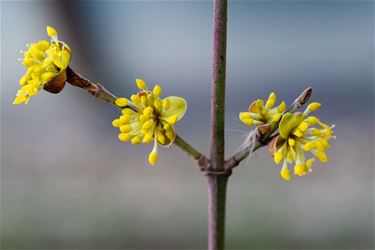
(216, 182)
(218, 83)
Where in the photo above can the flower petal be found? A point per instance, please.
(178, 107)
(289, 122)
(253, 107)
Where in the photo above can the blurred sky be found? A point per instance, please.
(67, 182)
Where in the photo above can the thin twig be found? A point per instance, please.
(256, 140)
(94, 89)
(101, 93)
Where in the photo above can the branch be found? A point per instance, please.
(101, 93)
(94, 89)
(256, 140)
(218, 84)
(216, 174)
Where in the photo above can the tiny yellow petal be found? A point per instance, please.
(285, 174)
(127, 111)
(141, 84)
(136, 99)
(244, 115)
(153, 158)
(144, 100)
(298, 133)
(247, 121)
(136, 140)
(148, 111)
(161, 138)
(322, 156)
(125, 118)
(299, 169)
(126, 128)
(167, 126)
(19, 99)
(148, 138)
(303, 126)
(42, 45)
(170, 135)
(308, 146)
(116, 123)
(325, 143)
(291, 155)
(278, 157)
(157, 90)
(172, 119)
(319, 146)
(121, 102)
(28, 62)
(291, 142)
(166, 104)
(148, 124)
(313, 107)
(271, 100)
(276, 117)
(51, 31)
(24, 80)
(150, 99)
(260, 104)
(124, 136)
(158, 104)
(309, 163)
(312, 120)
(281, 107)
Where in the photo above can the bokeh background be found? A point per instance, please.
(68, 182)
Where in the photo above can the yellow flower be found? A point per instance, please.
(263, 115)
(300, 134)
(147, 118)
(45, 62)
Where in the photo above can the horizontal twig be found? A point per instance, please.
(256, 139)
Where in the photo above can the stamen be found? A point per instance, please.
(172, 119)
(141, 84)
(124, 136)
(166, 104)
(157, 90)
(126, 128)
(153, 157)
(147, 138)
(285, 173)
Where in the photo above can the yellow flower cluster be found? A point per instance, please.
(263, 115)
(298, 135)
(44, 61)
(148, 118)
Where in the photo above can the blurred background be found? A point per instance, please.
(68, 182)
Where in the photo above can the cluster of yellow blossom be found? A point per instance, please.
(148, 118)
(298, 134)
(263, 115)
(44, 60)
